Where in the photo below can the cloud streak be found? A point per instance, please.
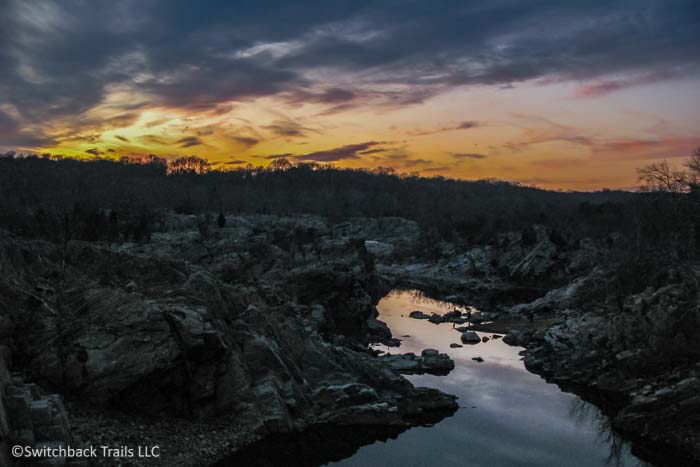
(468, 155)
(350, 151)
(467, 125)
(189, 141)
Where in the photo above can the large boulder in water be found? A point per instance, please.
(433, 361)
(470, 337)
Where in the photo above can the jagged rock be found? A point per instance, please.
(555, 300)
(27, 417)
(380, 249)
(378, 329)
(538, 262)
(264, 321)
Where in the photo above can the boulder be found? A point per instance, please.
(453, 316)
(436, 319)
(434, 362)
(470, 337)
(430, 361)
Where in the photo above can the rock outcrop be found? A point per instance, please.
(624, 355)
(265, 322)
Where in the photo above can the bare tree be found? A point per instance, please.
(661, 177)
(693, 166)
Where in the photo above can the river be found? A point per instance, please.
(507, 417)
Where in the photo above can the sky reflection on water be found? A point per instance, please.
(508, 416)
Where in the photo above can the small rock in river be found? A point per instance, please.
(478, 359)
(436, 319)
(418, 315)
(455, 346)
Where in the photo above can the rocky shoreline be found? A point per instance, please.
(206, 339)
(614, 359)
(198, 342)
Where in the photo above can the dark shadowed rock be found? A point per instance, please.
(470, 337)
(430, 361)
(247, 324)
(418, 315)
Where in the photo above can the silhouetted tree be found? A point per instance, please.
(189, 165)
(280, 164)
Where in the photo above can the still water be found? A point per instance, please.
(507, 417)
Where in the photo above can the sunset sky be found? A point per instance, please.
(558, 94)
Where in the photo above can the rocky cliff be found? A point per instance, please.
(263, 324)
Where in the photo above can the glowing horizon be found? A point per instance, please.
(578, 105)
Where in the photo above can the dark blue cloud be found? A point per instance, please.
(60, 59)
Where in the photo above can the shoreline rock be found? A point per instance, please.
(430, 361)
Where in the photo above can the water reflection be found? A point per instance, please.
(585, 413)
(419, 298)
(316, 446)
(508, 416)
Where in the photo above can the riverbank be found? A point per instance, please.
(200, 341)
(635, 358)
(267, 321)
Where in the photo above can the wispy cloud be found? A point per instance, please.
(246, 141)
(189, 141)
(288, 129)
(603, 87)
(350, 151)
(468, 155)
(467, 125)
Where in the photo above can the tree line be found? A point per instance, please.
(122, 200)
